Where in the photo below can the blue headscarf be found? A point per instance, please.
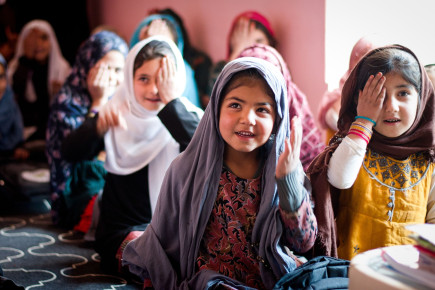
(167, 250)
(11, 123)
(73, 101)
(191, 90)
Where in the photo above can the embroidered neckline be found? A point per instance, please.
(392, 167)
(383, 161)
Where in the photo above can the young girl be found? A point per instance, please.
(36, 73)
(97, 72)
(248, 28)
(165, 24)
(381, 172)
(220, 219)
(311, 144)
(144, 127)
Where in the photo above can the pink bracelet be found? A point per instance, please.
(360, 135)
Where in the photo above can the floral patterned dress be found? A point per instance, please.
(226, 246)
(69, 109)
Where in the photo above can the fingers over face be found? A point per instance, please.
(374, 85)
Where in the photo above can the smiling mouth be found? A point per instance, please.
(392, 121)
(245, 134)
(152, 100)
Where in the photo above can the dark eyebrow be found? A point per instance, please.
(234, 98)
(143, 75)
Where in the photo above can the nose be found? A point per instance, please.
(248, 117)
(154, 89)
(390, 104)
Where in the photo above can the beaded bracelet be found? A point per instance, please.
(366, 118)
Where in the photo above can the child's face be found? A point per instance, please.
(42, 45)
(246, 118)
(110, 70)
(145, 85)
(399, 108)
(3, 82)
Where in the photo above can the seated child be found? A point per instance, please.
(145, 125)
(96, 73)
(378, 172)
(36, 74)
(236, 198)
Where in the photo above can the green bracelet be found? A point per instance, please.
(366, 118)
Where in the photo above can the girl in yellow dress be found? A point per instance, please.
(377, 174)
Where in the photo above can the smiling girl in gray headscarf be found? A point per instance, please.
(235, 197)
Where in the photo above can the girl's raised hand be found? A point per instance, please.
(167, 84)
(156, 27)
(241, 37)
(108, 117)
(289, 159)
(371, 98)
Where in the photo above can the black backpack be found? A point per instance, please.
(318, 273)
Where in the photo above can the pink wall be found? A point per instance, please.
(299, 25)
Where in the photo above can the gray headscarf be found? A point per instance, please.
(168, 249)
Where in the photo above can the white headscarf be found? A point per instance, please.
(146, 140)
(58, 66)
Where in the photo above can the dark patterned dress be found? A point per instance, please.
(67, 113)
(226, 245)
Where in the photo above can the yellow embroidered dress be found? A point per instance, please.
(386, 195)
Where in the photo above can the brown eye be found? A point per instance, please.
(403, 94)
(44, 37)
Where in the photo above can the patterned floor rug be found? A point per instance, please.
(37, 255)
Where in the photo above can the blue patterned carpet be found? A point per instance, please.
(37, 255)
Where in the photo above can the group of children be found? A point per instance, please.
(231, 197)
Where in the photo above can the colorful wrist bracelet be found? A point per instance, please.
(360, 127)
(366, 118)
(359, 135)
